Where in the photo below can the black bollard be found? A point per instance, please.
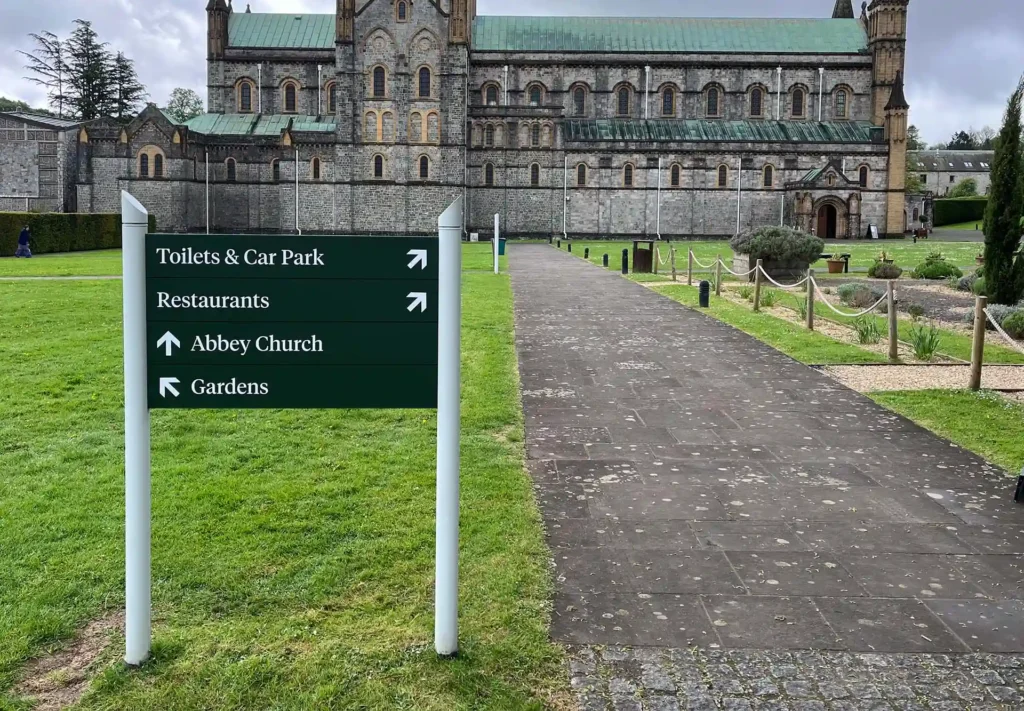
(1019, 496)
(606, 261)
(705, 294)
(586, 253)
(570, 247)
(625, 261)
(559, 244)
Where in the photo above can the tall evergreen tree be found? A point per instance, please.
(90, 73)
(49, 68)
(1003, 278)
(128, 92)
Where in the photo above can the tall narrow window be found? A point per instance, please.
(332, 98)
(581, 174)
(403, 12)
(723, 176)
(535, 175)
(841, 101)
(379, 82)
(158, 166)
(316, 169)
(714, 104)
(424, 168)
(623, 104)
(275, 170)
(491, 95)
(535, 135)
(245, 98)
(378, 166)
(863, 176)
(668, 103)
(290, 98)
(232, 174)
(535, 95)
(489, 136)
(424, 82)
(143, 166)
(627, 175)
(579, 101)
(769, 176)
(756, 102)
(488, 174)
(798, 103)
(675, 176)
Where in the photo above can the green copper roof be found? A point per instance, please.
(258, 124)
(281, 31)
(613, 34)
(699, 130)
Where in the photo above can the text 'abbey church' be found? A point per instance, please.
(373, 119)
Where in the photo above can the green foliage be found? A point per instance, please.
(1000, 313)
(953, 211)
(859, 296)
(1004, 275)
(184, 104)
(868, 332)
(926, 341)
(1014, 325)
(780, 244)
(746, 293)
(966, 283)
(935, 266)
(769, 298)
(62, 232)
(968, 187)
(884, 270)
(801, 307)
(980, 288)
(916, 311)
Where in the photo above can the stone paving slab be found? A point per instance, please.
(705, 496)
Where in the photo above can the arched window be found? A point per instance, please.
(535, 135)
(769, 176)
(380, 82)
(158, 166)
(232, 172)
(536, 95)
(424, 82)
(579, 101)
(291, 98)
(863, 176)
(622, 109)
(842, 103)
(488, 174)
(491, 95)
(489, 136)
(416, 127)
(275, 170)
(581, 174)
(714, 102)
(535, 174)
(756, 102)
(917, 214)
(245, 98)
(144, 166)
(668, 102)
(378, 166)
(315, 168)
(371, 127)
(675, 176)
(424, 168)
(627, 175)
(402, 11)
(332, 98)
(723, 176)
(799, 103)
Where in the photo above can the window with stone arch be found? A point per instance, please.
(623, 97)
(425, 83)
(314, 169)
(549, 136)
(534, 174)
(488, 174)
(433, 127)
(245, 92)
(290, 92)
(713, 101)
(402, 11)
(386, 127)
(378, 82)
(627, 175)
(378, 166)
(675, 177)
(535, 136)
(158, 166)
(151, 162)
(416, 128)
(581, 175)
(275, 170)
(723, 176)
(424, 166)
(863, 175)
(798, 102)
(757, 95)
(232, 169)
(371, 131)
(668, 101)
(332, 97)
(768, 176)
(535, 94)
(579, 101)
(144, 166)
(488, 136)
(490, 94)
(842, 103)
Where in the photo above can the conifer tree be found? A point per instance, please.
(128, 92)
(1003, 277)
(90, 73)
(49, 68)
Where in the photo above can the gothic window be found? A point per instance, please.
(315, 169)
(668, 102)
(713, 108)
(723, 176)
(275, 170)
(489, 136)
(769, 176)
(622, 108)
(232, 173)
(756, 102)
(536, 95)
(491, 95)
(291, 97)
(627, 175)
(245, 97)
(579, 101)
(488, 174)
(378, 166)
(402, 11)
(332, 98)
(158, 166)
(863, 176)
(581, 174)
(535, 174)
(424, 83)
(535, 135)
(675, 176)
(424, 168)
(842, 100)
(799, 103)
(143, 166)
(380, 82)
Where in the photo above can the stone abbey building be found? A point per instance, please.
(373, 119)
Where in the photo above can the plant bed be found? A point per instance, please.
(785, 253)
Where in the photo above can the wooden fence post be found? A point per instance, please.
(978, 351)
(672, 256)
(718, 276)
(757, 286)
(894, 325)
(657, 258)
(810, 299)
(689, 268)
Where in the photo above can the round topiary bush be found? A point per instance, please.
(778, 244)
(883, 270)
(935, 266)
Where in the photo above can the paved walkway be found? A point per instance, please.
(731, 529)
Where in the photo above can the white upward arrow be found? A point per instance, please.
(167, 385)
(168, 342)
(419, 256)
(418, 299)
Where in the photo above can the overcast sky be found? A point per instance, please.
(963, 58)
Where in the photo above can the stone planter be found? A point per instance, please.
(835, 266)
(779, 271)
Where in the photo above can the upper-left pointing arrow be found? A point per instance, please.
(168, 342)
(419, 256)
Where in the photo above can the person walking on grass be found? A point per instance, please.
(23, 239)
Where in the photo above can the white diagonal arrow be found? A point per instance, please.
(168, 342)
(418, 299)
(419, 256)
(167, 385)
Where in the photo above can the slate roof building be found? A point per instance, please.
(37, 162)
(372, 119)
(941, 171)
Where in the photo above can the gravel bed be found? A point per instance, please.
(925, 377)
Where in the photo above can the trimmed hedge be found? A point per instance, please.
(953, 211)
(62, 232)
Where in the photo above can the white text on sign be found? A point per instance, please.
(217, 343)
(188, 257)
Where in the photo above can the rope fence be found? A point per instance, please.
(1006, 337)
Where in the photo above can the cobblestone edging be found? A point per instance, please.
(658, 679)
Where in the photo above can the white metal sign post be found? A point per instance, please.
(497, 240)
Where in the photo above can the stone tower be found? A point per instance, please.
(843, 10)
(887, 40)
(896, 112)
(217, 14)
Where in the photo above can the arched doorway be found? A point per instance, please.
(828, 221)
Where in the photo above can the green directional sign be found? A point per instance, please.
(266, 321)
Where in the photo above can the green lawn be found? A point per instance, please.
(964, 226)
(292, 550)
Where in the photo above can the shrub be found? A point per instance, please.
(801, 307)
(935, 266)
(1000, 313)
(916, 311)
(769, 297)
(966, 283)
(868, 332)
(926, 341)
(746, 293)
(1014, 325)
(62, 232)
(953, 211)
(859, 296)
(881, 270)
(979, 287)
(780, 244)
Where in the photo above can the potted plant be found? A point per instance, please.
(836, 264)
(785, 253)
(884, 258)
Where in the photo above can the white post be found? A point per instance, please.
(449, 317)
(207, 192)
(821, 89)
(505, 87)
(647, 91)
(497, 237)
(319, 88)
(782, 210)
(565, 194)
(137, 591)
(658, 228)
(739, 192)
(297, 230)
(259, 89)
(778, 94)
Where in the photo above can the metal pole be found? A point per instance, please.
(894, 331)
(259, 89)
(137, 493)
(978, 350)
(505, 85)
(449, 319)
(497, 228)
(319, 89)
(647, 92)
(778, 95)
(207, 192)
(565, 193)
(821, 89)
(782, 210)
(757, 285)
(658, 227)
(810, 299)
(297, 230)
(739, 192)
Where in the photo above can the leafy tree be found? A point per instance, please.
(128, 90)
(1004, 277)
(984, 139)
(962, 141)
(90, 73)
(49, 68)
(914, 142)
(13, 105)
(968, 187)
(184, 104)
